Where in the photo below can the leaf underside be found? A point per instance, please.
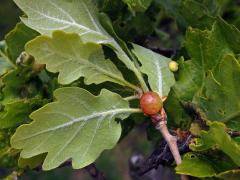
(77, 126)
(67, 54)
(155, 66)
(77, 16)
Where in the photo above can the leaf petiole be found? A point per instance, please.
(132, 86)
(133, 97)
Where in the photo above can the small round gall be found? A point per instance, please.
(173, 66)
(151, 103)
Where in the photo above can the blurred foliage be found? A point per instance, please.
(114, 163)
(9, 16)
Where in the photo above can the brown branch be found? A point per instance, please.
(234, 133)
(161, 125)
(162, 155)
(160, 121)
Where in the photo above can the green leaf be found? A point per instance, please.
(107, 24)
(216, 137)
(138, 5)
(207, 165)
(31, 162)
(14, 82)
(220, 161)
(122, 47)
(71, 16)
(17, 111)
(14, 109)
(14, 113)
(195, 165)
(7, 155)
(78, 126)
(5, 66)
(2, 45)
(206, 49)
(219, 96)
(199, 14)
(230, 175)
(16, 40)
(21, 94)
(5, 63)
(231, 34)
(68, 55)
(155, 66)
(237, 139)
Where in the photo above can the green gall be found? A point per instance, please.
(173, 66)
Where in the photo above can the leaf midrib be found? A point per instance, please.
(74, 136)
(83, 118)
(71, 23)
(159, 79)
(88, 63)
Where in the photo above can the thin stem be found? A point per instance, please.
(135, 67)
(7, 59)
(119, 79)
(232, 116)
(131, 97)
(130, 85)
(141, 80)
(135, 110)
(138, 73)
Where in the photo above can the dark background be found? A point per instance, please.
(9, 16)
